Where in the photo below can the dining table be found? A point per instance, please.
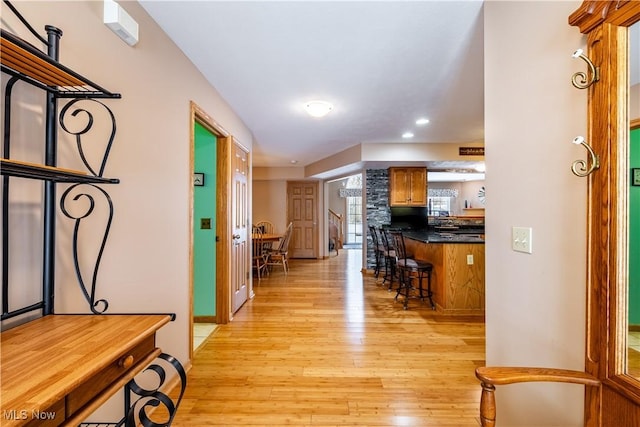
(267, 237)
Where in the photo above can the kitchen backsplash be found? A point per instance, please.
(456, 221)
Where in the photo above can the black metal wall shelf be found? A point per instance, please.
(25, 63)
(70, 106)
(50, 173)
(28, 63)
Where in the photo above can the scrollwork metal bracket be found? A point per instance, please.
(97, 306)
(136, 408)
(87, 127)
(154, 397)
(74, 110)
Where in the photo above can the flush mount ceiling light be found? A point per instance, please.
(422, 121)
(318, 108)
(407, 135)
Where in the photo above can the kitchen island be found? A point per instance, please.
(458, 268)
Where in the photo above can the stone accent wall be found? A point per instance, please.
(378, 211)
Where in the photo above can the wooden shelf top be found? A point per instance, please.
(43, 360)
(27, 62)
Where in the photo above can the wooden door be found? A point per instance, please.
(618, 403)
(303, 212)
(240, 251)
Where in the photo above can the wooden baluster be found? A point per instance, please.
(488, 405)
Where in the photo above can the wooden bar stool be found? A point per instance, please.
(410, 268)
(389, 255)
(378, 250)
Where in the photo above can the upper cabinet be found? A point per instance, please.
(408, 186)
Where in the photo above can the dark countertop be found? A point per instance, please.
(442, 237)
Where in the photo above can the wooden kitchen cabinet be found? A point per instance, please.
(408, 186)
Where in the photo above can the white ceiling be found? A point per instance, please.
(383, 64)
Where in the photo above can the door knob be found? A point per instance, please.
(236, 236)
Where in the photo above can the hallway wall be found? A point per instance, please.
(535, 302)
(145, 267)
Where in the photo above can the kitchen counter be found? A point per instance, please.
(458, 269)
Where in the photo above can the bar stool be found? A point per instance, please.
(389, 254)
(410, 268)
(378, 249)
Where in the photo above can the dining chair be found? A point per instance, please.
(260, 257)
(280, 255)
(267, 228)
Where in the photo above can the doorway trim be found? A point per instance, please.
(224, 141)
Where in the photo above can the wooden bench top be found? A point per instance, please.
(44, 360)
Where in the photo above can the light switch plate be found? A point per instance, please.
(521, 239)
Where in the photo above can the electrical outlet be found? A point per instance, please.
(521, 239)
(470, 259)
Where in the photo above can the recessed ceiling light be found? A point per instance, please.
(407, 135)
(293, 162)
(422, 121)
(318, 108)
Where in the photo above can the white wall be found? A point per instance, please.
(145, 267)
(535, 303)
(469, 192)
(336, 203)
(270, 203)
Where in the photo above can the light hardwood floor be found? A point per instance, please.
(324, 346)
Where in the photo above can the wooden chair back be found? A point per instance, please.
(284, 242)
(398, 244)
(266, 227)
(374, 237)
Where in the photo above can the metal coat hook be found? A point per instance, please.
(579, 79)
(580, 167)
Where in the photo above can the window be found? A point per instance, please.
(354, 209)
(439, 205)
(354, 220)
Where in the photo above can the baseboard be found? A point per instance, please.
(204, 319)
